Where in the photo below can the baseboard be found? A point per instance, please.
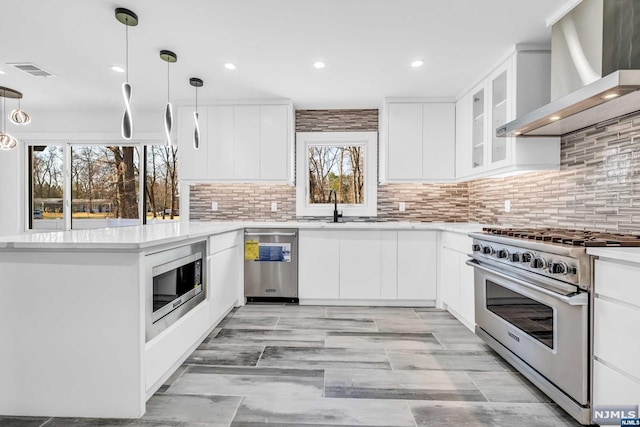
(369, 302)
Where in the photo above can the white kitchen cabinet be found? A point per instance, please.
(456, 278)
(417, 254)
(517, 86)
(319, 264)
(359, 257)
(275, 154)
(417, 141)
(616, 327)
(246, 142)
(224, 273)
(361, 266)
(388, 265)
(449, 265)
(220, 143)
(240, 143)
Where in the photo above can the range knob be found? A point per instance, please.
(515, 257)
(558, 268)
(538, 262)
(488, 250)
(476, 247)
(527, 257)
(503, 254)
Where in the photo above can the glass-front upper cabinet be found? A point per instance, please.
(478, 130)
(499, 116)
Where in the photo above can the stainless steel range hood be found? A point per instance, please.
(597, 38)
(612, 96)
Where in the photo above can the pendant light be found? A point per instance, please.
(19, 117)
(169, 57)
(129, 19)
(196, 82)
(7, 142)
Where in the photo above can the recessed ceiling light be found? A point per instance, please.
(117, 69)
(610, 95)
(417, 63)
(2, 72)
(554, 118)
(516, 133)
(229, 66)
(319, 64)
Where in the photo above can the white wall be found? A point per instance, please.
(10, 190)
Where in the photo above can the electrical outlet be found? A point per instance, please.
(274, 206)
(507, 205)
(214, 206)
(401, 207)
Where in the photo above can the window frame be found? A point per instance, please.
(369, 140)
(66, 195)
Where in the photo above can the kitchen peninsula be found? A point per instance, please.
(75, 325)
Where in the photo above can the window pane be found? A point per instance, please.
(162, 184)
(104, 186)
(47, 183)
(339, 168)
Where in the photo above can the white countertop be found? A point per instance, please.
(618, 254)
(141, 237)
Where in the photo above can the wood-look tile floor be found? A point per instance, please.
(288, 365)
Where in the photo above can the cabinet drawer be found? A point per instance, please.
(220, 242)
(456, 241)
(616, 329)
(618, 281)
(612, 388)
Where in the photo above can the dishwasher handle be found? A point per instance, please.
(271, 234)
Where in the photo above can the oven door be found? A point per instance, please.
(547, 330)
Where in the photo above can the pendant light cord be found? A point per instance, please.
(168, 82)
(126, 36)
(196, 99)
(4, 105)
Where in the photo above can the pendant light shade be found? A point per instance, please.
(169, 57)
(7, 142)
(196, 82)
(129, 19)
(19, 117)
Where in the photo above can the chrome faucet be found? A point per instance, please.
(336, 215)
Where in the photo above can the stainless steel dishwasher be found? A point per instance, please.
(271, 264)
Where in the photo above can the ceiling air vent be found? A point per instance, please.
(32, 69)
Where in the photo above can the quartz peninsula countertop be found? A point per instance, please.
(148, 236)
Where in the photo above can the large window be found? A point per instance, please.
(47, 186)
(103, 185)
(344, 162)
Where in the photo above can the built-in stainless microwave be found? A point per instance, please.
(175, 284)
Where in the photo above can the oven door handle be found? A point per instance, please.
(581, 298)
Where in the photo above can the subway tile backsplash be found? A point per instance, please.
(596, 188)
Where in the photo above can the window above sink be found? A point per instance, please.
(341, 161)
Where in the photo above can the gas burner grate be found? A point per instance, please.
(568, 236)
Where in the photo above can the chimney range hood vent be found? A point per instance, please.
(611, 96)
(597, 38)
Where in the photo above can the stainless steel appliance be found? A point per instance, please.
(533, 306)
(271, 264)
(595, 70)
(176, 282)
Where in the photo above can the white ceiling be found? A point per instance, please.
(367, 45)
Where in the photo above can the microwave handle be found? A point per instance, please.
(581, 298)
(172, 265)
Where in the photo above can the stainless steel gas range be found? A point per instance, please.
(533, 306)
